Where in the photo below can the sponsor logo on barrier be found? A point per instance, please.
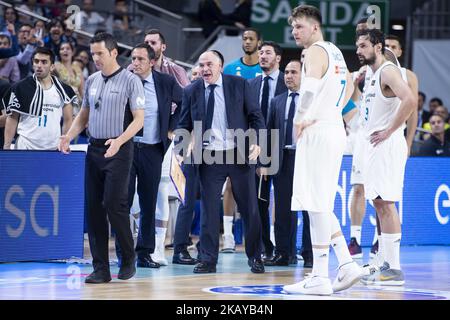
(443, 189)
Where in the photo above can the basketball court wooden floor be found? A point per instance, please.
(427, 275)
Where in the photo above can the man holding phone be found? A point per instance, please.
(29, 40)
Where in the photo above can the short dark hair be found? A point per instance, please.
(362, 20)
(307, 11)
(55, 22)
(150, 52)
(156, 31)
(276, 47)
(394, 37)
(26, 25)
(46, 51)
(110, 41)
(424, 96)
(219, 55)
(436, 99)
(375, 36)
(435, 114)
(258, 33)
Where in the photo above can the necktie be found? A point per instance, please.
(210, 107)
(141, 132)
(290, 120)
(265, 97)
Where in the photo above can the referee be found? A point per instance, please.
(113, 109)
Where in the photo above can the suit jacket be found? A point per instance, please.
(275, 120)
(425, 116)
(255, 87)
(241, 108)
(168, 91)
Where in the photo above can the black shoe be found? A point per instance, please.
(256, 265)
(147, 262)
(203, 267)
(99, 276)
(127, 271)
(278, 260)
(183, 258)
(308, 262)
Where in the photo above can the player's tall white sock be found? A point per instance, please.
(392, 249)
(338, 243)
(375, 236)
(320, 225)
(227, 225)
(355, 232)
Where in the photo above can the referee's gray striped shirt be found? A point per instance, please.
(107, 101)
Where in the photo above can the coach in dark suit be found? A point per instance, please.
(265, 87)
(150, 145)
(222, 104)
(281, 115)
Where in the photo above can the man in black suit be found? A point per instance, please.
(281, 113)
(222, 105)
(150, 145)
(265, 87)
(4, 87)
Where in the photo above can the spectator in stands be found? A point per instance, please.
(434, 103)
(55, 37)
(121, 18)
(30, 5)
(14, 49)
(443, 112)
(68, 72)
(195, 73)
(39, 27)
(9, 68)
(241, 14)
(155, 39)
(27, 44)
(437, 144)
(87, 66)
(68, 34)
(10, 16)
(210, 16)
(4, 87)
(423, 115)
(87, 19)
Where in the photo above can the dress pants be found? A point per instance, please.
(212, 178)
(285, 219)
(107, 199)
(147, 165)
(263, 208)
(186, 211)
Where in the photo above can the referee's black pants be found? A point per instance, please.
(147, 166)
(107, 198)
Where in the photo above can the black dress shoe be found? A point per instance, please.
(147, 262)
(256, 265)
(183, 258)
(98, 276)
(203, 267)
(127, 271)
(277, 260)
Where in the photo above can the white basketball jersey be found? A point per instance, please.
(42, 133)
(379, 110)
(329, 100)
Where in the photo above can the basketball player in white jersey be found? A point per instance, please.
(326, 88)
(39, 132)
(388, 103)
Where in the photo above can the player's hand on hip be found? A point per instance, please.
(379, 136)
(262, 171)
(64, 144)
(114, 146)
(255, 150)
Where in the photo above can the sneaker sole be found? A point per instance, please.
(390, 283)
(327, 293)
(350, 284)
(357, 256)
